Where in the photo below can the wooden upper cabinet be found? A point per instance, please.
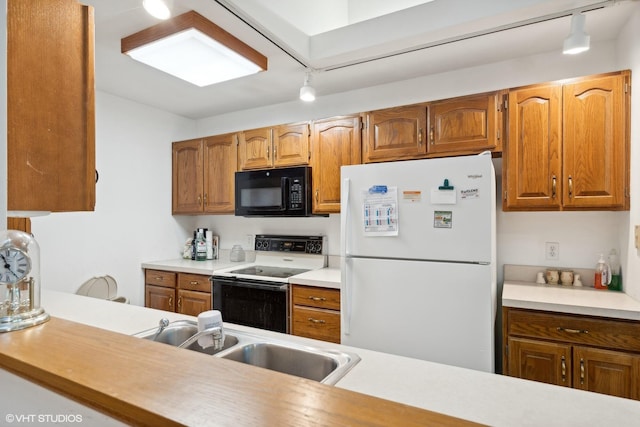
(395, 134)
(291, 145)
(334, 142)
(50, 106)
(187, 189)
(280, 146)
(568, 145)
(532, 166)
(469, 124)
(220, 166)
(595, 142)
(255, 149)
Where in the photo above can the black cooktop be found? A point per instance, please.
(269, 271)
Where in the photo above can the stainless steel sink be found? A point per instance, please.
(179, 331)
(310, 364)
(319, 364)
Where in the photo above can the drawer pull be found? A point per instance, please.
(159, 278)
(572, 331)
(179, 302)
(581, 371)
(193, 282)
(312, 320)
(171, 303)
(317, 298)
(564, 369)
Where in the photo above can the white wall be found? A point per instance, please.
(132, 222)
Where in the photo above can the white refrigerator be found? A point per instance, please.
(418, 259)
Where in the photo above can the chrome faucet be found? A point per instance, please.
(216, 332)
(164, 322)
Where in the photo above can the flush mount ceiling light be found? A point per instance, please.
(307, 92)
(157, 8)
(194, 49)
(578, 40)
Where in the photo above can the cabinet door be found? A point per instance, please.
(291, 145)
(541, 361)
(606, 371)
(532, 174)
(334, 143)
(220, 165)
(465, 125)
(255, 149)
(187, 177)
(395, 134)
(595, 142)
(192, 302)
(50, 106)
(159, 297)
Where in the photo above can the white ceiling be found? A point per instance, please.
(444, 34)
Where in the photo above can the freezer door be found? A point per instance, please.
(441, 312)
(433, 223)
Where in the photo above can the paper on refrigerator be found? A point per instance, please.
(380, 211)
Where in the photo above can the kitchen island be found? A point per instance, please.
(171, 385)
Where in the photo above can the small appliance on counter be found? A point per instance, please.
(19, 281)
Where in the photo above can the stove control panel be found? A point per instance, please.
(300, 244)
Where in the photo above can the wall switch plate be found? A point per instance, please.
(552, 250)
(250, 241)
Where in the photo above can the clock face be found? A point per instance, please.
(14, 265)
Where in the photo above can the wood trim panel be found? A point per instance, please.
(188, 20)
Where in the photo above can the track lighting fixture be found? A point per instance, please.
(307, 92)
(578, 40)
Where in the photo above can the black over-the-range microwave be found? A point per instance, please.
(274, 192)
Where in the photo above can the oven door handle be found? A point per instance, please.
(245, 283)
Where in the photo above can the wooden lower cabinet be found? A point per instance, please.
(589, 353)
(183, 293)
(315, 312)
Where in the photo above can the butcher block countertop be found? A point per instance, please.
(144, 383)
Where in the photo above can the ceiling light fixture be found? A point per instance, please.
(307, 92)
(578, 40)
(157, 8)
(194, 49)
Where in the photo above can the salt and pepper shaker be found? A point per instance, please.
(577, 281)
(540, 278)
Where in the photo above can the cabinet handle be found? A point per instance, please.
(171, 303)
(179, 302)
(572, 331)
(205, 198)
(564, 369)
(267, 152)
(317, 298)
(193, 282)
(581, 371)
(275, 153)
(570, 186)
(432, 136)
(553, 187)
(199, 200)
(420, 137)
(317, 195)
(159, 278)
(312, 320)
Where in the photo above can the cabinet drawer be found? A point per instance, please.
(160, 278)
(316, 323)
(618, 334)
(194, 282)
(312, 296)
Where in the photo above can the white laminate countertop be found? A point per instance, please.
(482, 397)
(569, 299)
(325, 277)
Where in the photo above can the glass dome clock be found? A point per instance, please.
(19, 281)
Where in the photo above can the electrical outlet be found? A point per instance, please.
(250, 240)
(552, 250)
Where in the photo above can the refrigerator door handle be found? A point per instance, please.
(344, 217)
(345, 296)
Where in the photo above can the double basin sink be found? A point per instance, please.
(324, 365)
